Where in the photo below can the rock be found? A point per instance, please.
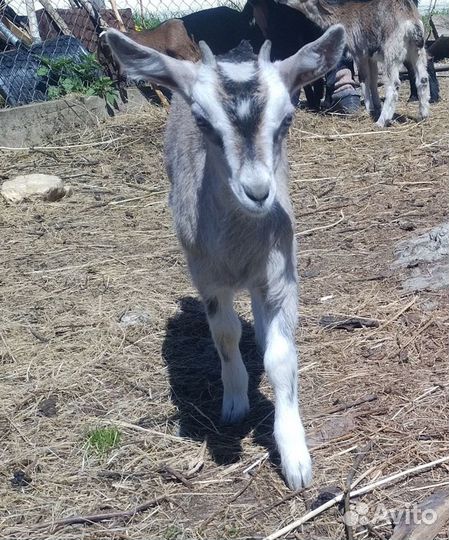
(136, 317)
(429, 247)
(406, 225)
(427, 259)
(45, 186)
(20, 479)
(47, 407)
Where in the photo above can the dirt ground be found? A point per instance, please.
(74, 270)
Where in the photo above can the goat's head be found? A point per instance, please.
(240, 102)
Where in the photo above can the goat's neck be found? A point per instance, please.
(319, 12)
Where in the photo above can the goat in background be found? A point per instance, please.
(378, 30)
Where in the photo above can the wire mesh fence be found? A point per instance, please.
(36, 35)
(60, 33)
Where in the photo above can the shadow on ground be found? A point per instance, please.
(194, 374)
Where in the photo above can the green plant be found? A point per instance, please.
(102, 440)
(69, 76)
(172, 533)
(146, 22)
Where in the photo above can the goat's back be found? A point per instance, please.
(170, 38)
(222, 28)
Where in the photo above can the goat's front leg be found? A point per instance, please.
(280, 360)
(226, 331)
(365, 82)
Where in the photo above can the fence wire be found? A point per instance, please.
(33, 33)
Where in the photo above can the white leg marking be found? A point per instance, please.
(281, 367)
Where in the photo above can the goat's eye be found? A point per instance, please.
(203, 124)
(283, 128)
(287, 122)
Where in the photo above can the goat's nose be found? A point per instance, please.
(258, 195)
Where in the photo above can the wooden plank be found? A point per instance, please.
(440, 25)
(32, 21)
(18, 32)
(57, 19)
(430, 518)
(117, 16)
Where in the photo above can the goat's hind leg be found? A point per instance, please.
(226, 331)
(418, 58)
(375, 99)
(280, 362)
(365, 82)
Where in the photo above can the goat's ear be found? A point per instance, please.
(141, 63)
(314, 60)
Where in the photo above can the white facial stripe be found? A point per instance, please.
(277, 107)
(241, 72)
(243, 109)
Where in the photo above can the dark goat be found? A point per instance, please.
(288, 30)
(223, 28)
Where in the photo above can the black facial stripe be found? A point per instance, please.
(234, 93)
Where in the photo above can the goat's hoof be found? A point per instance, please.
(297, 470)
(381, 123)
(235, 408)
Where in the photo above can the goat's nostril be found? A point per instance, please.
(257, 196)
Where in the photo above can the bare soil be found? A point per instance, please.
(72, 269)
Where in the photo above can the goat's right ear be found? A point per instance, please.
(141, 63)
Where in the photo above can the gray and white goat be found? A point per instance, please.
(386, 31)
(226, 159)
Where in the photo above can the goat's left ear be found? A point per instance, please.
(141, 63)
(314, 60)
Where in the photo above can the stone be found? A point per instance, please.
(45, 186)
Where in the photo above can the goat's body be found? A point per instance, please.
(227, 251)
(378, 31)
(226, 159)
(223, 28)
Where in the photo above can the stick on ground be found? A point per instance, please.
(97, 518)
(367, 489)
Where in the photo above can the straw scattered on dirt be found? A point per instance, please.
(100, 327)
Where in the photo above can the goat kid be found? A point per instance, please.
(378, 30)
(226, 159)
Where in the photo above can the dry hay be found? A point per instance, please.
(71, 269)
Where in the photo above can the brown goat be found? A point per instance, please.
(378, 30)
(169, 38)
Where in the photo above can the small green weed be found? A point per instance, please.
(146, 22)
(172, 533)
(69, 76)
(102, 440)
